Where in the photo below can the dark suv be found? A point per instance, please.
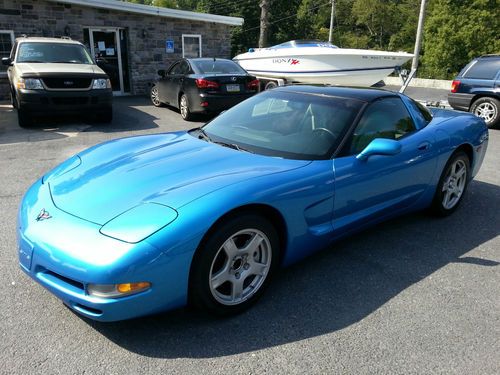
(477, 89)
(49, 75)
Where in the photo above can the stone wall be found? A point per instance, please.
(146, 34)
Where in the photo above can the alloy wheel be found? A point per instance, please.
(240, 267)
(155, 97)
(454, 184)
(487, 111)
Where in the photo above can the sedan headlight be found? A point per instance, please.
(29, 84)
(101, 84)
(117, 290)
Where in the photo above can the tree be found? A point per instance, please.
(457, 31)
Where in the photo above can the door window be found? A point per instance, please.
(6, 42)
(176, 69)
(386, 118)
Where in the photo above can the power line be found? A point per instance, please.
(285, 18)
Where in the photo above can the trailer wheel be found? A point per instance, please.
(270, 85)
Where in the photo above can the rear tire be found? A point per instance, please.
(184, 108)
(452, 184)
(234, 265)
(488, 109)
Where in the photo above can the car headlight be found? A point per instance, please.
(101, 84)
(29, 84)
(117, 290)
(139, 222)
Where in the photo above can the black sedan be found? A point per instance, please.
(203, 85)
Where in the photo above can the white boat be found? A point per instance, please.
(321, 63)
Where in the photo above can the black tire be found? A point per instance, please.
(212, 259)
(439, 207)
(270, 85)
(24, 119)
(107, 116)
(184, 108)
(154, 96)
(13, 99)
(489, 109)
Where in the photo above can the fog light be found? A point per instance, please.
(117, 290)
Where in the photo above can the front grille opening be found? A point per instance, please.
(66, 280)
(68, 83)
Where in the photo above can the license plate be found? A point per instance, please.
(232, 88)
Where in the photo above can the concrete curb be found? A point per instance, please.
(421, 82)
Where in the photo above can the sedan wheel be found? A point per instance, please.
(234, 266)
(155, 98)
(184, 108)
(488, 109)
(452, 184)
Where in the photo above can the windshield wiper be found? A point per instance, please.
(31, 61)
(67, 62)
(202, 134)
(233, 146)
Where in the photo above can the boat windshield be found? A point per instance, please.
(291, 125)
(305, 43)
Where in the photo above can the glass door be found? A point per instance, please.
(105, 46)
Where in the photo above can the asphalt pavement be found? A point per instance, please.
(411, 296)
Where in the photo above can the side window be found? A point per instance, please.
(176, 69)
(6, 43)
(385, 118)
(486, 68)
(184, 69)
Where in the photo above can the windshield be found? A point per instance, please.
(305, 43)
(53, 53)
(217, 67)
(287, 124)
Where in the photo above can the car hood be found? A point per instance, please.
(43, 69)
(171, 169)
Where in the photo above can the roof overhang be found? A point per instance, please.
(154, 11)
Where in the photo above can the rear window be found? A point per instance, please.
(482, 69)
(217, 67)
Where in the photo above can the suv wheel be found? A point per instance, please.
(24, 119)
(488, 109)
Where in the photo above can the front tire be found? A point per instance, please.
(234, 265)
(452, 184)
(24, 118)
(488, 109)
(155, 96)
(184, 108)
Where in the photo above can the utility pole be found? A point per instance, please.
(264, 22)
(330, 35)
(418, 41)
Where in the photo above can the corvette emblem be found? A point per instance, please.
(43, 215)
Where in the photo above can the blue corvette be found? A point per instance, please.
(141, 225)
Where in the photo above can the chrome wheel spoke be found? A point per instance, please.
(237, 290)
(230, 248)
(253, 244)
(221, 277)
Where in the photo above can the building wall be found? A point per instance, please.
(146, 53)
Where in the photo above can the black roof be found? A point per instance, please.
(360, 93)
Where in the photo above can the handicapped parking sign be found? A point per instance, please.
(169, 46)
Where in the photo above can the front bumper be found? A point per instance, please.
(45, 102)
(218, 103)
(64, 254)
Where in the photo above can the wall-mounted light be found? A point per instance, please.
(67, 30)
(144, 33)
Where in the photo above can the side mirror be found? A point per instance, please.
(6, 61)
(380, 146)
(162, 73)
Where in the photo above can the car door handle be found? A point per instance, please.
(424, 146)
